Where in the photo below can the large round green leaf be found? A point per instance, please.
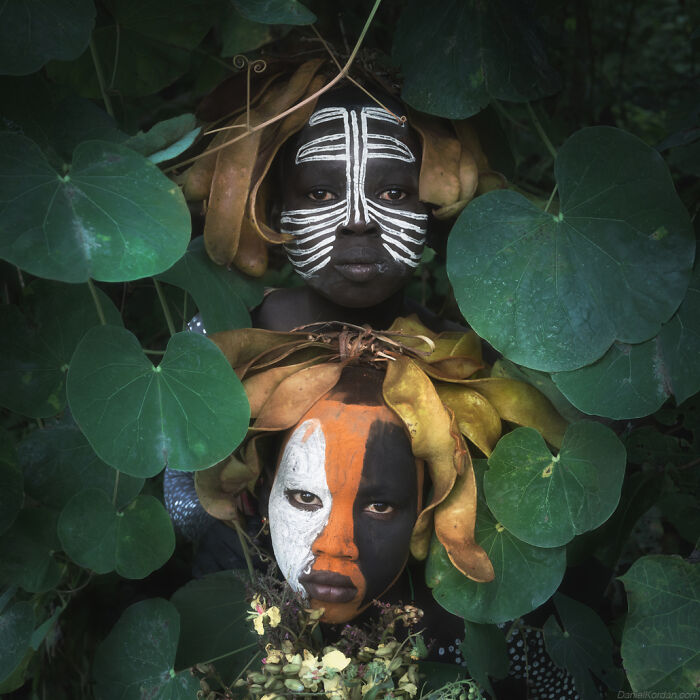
(275, 11)
(58, 462)
(189, 412)
(144, 65)
(222, 296)
(11, 482)
(631, 381)
(36, 350)
(525, 576)
(16, 627)
(485, 653)
(661, 638)
(240, 35)
(136, 659)
(26, 551)
(485, 50)
(213, 624)
(33, 32)
(135, 541)
(553, 292)
(583, 647)
(546, 500)
(112, 216)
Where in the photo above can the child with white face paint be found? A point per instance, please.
(348, 198)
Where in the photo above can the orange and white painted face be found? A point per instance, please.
(343, 505)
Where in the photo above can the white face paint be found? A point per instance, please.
(293, 530)
(314, 229)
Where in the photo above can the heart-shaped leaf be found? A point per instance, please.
(189, 412)
(58, 462)
(545, 499)
(11, 482)
(36, 350)
(582, 646)
(275, 11)
(552, 292)
(112, 215)
(525, 576)
(631, 381)
(136, 659)
(33, 32)
(486, 653)
(16, 627)
(213, 623)
(240, 35)
(26, 551)
(661, 638)
(487, 50)
(223, 296)
(135, 541)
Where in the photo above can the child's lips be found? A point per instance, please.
(328, 586)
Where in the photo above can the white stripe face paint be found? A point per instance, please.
(293, 530)
(314, 229)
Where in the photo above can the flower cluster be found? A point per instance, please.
(260, 613)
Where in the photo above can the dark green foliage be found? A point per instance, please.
(581, 274)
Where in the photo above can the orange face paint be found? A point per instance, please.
(343, 505)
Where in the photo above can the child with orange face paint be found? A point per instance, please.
(344, 502)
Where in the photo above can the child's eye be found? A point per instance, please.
(320, 195)
(394, 194)
(304, 500)
(379, 508)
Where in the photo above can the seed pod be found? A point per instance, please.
(273, 683)
(294, 685)
(273, 668)
(395, 664)
(292, 669)
(257, 677)
(255, 688)
(239, 683)
(386, 650)
(204, 686)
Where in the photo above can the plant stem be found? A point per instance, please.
(96, 299)
(541, 131)
(116, 489)
(101, 78)
(164, 306)
(343, 73)
(551, 198)
(246, 553)
(154, 352)
(40, 423)
(184, 312)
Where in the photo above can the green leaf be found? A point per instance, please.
(33, 32)
(222, 295)
(26, 551)
(113, 216)
(213, 623)
(486, 653)
(581, 646)
(167, 139)
(683, 512)
(135, 661)
(525, 576)
(554, 292)
(275, 11)
(631, 381)
(661, 638)
(240, 35)
(11, 482)
(42, 631)
(36, 350)
(189, 412)
(182, 23)
(546, 500)
(58, 462)
(646, 445)
(144, 65)
(487, 51)
(16, 627)
(55, 122)
(135, 541)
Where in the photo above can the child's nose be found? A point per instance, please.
(337, 538)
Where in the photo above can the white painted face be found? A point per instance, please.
(293, 530)
(355, 143)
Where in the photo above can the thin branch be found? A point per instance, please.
(164, 306)
(101, 78)
(96, 299)
(541, 131)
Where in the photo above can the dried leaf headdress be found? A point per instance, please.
(235, 181)
(435, 383)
